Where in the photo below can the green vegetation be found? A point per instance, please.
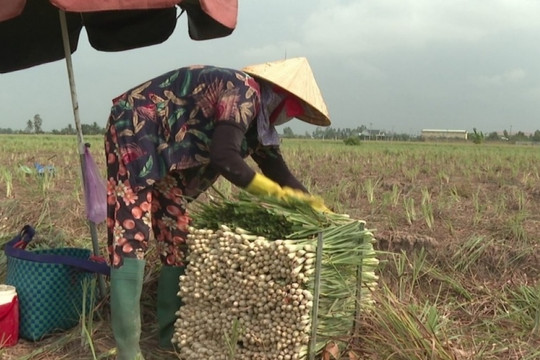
(458, 224)
(352, 140)
(477, 136)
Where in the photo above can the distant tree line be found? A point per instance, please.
(362, 132)
(518, 136)
(93, 129)
(35, 126)
(351, 134)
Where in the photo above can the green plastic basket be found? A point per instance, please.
(50, 295)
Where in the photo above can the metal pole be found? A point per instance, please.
(358, 307)
(316, 293)
(71, 77)
(80, 140)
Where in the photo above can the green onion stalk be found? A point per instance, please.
(250, 277)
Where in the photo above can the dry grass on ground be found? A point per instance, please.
(458, 223)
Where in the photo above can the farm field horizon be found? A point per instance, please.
(457, 224)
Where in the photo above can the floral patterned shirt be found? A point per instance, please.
(166, 123)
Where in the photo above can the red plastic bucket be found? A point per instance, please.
(9, 316)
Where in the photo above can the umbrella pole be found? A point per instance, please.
(80, 140)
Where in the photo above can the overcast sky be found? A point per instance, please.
(401, 65)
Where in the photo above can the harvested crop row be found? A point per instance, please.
(249, 297)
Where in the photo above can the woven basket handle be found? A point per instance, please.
(16, 248)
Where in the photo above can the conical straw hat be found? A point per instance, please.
(295, 76)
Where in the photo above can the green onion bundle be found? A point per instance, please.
(249, 284)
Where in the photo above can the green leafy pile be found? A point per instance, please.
(264, 216)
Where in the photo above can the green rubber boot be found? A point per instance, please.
(126, 287)
(168, 303)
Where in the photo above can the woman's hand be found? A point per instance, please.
(316, 202)
(261, 185)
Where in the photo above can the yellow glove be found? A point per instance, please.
(316, 202)
(261, 185)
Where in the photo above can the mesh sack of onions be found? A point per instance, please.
(254, 287)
